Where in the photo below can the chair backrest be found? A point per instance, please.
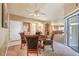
(22, 36)
(32, 41)
(52, 36)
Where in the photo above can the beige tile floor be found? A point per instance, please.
(59, 50)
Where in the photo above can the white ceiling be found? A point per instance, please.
(54, 11)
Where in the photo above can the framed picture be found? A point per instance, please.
(4, 16)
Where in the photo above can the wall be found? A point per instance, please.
(40, 27)
(33, 28)
(15, 28)
(3, 36)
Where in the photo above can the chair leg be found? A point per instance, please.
(27, 54)
(21, 46)
(37, 52)
(42, 47)
(52, 47)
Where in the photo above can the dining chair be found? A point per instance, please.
(50, 41)
(23, 39)
(32, 44)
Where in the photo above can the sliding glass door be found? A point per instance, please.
(73, 32)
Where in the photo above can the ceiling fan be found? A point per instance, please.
(36, 12)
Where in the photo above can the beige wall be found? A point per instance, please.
(3, 37)
(69, 7)
(15, 28)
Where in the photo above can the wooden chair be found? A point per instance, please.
(49, 42)
(23, 39)
(32, 44)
